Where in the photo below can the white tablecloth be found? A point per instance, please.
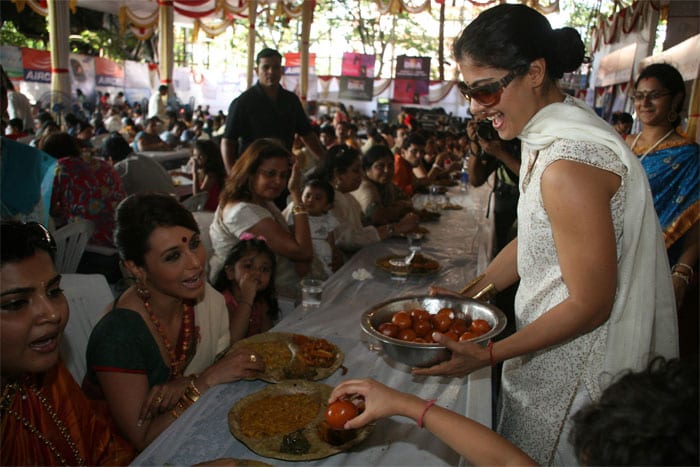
(461, 242)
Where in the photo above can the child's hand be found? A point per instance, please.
(249, 287)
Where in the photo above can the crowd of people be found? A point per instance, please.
(596, 238)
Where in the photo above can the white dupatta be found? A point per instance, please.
(643, 322)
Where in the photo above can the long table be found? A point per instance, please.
(461, 241)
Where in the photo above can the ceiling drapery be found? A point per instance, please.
(40, 6)
(630, 19)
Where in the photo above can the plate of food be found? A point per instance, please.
(287, 421)
(293, 356)
(450, 206)
(420, 264)
(428, 216)
(416, 232)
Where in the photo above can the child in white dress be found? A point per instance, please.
(317, 198)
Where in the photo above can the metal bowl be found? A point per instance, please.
(419, 354)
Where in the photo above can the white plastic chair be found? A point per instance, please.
(71, 240)
(88, 296)
(196, 202)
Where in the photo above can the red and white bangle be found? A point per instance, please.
(428, 404)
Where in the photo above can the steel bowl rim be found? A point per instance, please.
(367, 327)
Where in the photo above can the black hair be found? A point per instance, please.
(321, 185)
(621, 117)
(59, 145)
(138, 215)
(267, 53)
(22, 240)
(413, 138)
(373, 154)
(670, 78)
(644, 418)
(213, 163)
(162, 88)
(511, 36)
(16, 123)
(241, 248)
(328, 130)
(338, 159)
(115, 147)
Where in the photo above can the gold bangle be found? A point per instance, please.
(471, 284)
(299, 210)
(690, 269)
(486, 293)
(194, 388)
(684, 277)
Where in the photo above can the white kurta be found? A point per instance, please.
(538, 389)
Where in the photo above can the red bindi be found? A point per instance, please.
(184, 239)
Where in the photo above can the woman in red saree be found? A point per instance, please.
(46, 419)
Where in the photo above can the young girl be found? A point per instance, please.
(248, 284)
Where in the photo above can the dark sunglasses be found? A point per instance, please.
(488, 94)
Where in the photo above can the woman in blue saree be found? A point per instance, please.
(672, 163)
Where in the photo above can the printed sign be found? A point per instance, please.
(358, 65)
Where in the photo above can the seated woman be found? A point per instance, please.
(207, 171)
(381, 201)
(151, 356)
(88, 189)
(247, 205)
(46, 418)
(342, 169)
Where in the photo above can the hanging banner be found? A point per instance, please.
(292, 63)
(358, 65)
(137, 81)
(82, 75)
(36, 65)
(359, 89)
(109, 73)
(412, 84)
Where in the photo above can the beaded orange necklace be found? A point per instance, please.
(10, 392)
(178, 357)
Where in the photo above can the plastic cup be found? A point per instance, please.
(311, 290)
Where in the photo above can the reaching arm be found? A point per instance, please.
(478, 444)
(314, 144)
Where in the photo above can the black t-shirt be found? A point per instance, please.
(253, 115)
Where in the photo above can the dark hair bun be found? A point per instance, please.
(568, 51)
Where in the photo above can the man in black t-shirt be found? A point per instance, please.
(266, 110)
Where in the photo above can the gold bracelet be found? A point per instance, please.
(299, 210)
(471, 284)
(690, 269)
(684, 277)
(194, 388)
(486, 293)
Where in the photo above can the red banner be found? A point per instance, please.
(108, 73)
(37, 65)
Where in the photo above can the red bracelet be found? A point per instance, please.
(490, 347)
(428, 404)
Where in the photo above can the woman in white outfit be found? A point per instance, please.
(595, 294)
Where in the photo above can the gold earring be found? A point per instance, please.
(672, 116)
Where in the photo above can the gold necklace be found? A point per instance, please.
(7, 398)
